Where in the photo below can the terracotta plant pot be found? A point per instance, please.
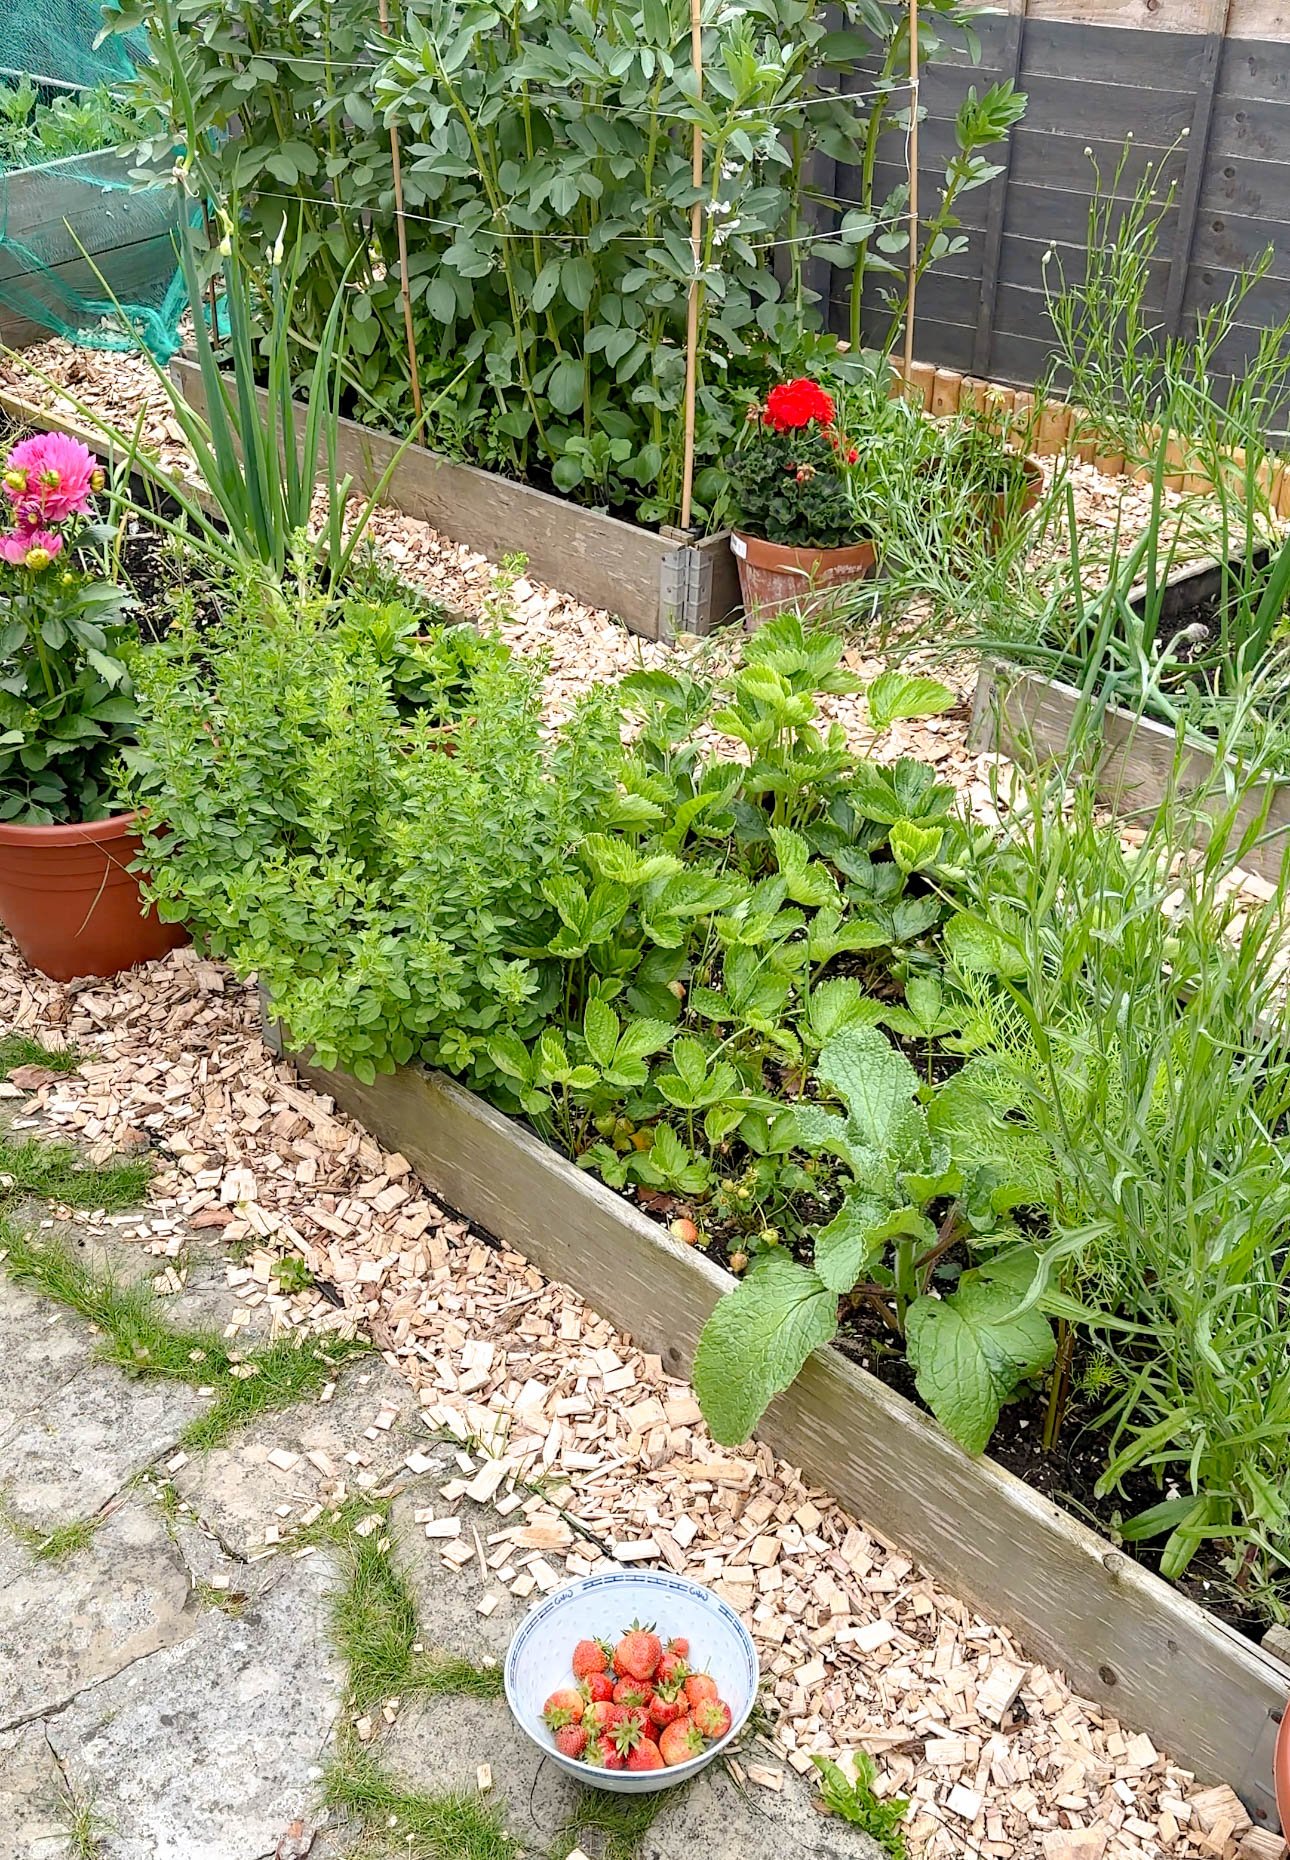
(1006, 506)
(71, 902)
(1281, 1770)
(773, 576)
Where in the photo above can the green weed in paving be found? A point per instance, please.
(455, 1826)
(54, 1172)
(53, 1545)
(622, 1821)
(138, 1340)
(19, 1049)
(374, 1624)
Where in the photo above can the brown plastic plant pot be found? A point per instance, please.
(1009, 508)
(773, 576)
(1281, 1771)
(71, 902)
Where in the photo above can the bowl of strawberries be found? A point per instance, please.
(626, 1706)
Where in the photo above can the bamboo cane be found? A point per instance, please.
(401, 231)
(912, 274)
(696, 250)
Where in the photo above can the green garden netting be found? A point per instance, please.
(85, 251)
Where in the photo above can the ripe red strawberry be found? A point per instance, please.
(598, 1687)
(645, 1756)
(571, 1740)
(667, 1705)
(679, 1646)
(563, 1707)
(624, 1735)
(712, 1718)
(700, 1686)
(590, 1656)
(601, 1755)
(602, 1713)
(638, 1652)
(680, 1742)
(635, 1694)
(671, 1669)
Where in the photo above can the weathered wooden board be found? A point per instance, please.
(1020, 713)
(597, 558)
(1094, 70)
(1247, 19)
(1124, 1637)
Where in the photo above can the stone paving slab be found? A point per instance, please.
(77, 1450)
(209, 1751)
(30, 1783)
(448, 1600)
(74, 1624)
(714, 1818)
(41, 1348)
(236, 1489)
(439, 1743)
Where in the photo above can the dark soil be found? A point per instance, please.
(161, 572)
(1194, 607)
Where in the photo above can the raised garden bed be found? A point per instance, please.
(1017, 712)
(70, 228)
(1125, 1638)
(658, 585)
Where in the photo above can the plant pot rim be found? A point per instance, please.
(790, 558)
(70, 833)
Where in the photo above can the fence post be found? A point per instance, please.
(996, 213)
(1214, 19)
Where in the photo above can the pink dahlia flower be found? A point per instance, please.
(50, 478)
(30, 548)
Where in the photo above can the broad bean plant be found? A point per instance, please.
(548, 186)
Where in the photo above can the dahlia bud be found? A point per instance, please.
(38, 557)
(15, 481)
(97, 480)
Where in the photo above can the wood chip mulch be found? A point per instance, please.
(860, 1648)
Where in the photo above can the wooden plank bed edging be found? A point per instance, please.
(1016, 712)
(655, 584)
(1205, 1694)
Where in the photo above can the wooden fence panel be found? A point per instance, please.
(1204, 87)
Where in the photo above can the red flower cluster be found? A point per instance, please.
(795, 404)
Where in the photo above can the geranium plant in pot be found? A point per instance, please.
(795, 531)
(67, 891)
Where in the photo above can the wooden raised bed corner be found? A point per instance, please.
(659, 585)
(1124, 1637)
(1023, 715)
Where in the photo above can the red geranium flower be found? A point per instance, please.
(794, 404)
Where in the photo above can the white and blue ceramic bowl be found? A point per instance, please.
(601, 1608)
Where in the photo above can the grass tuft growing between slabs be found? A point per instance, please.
(452, 1826)
(83, 1829)
(19, 1049)
(51, 1546)
(621, 1822)
(54, 1172)
(375, 1628)
(138, 1340)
